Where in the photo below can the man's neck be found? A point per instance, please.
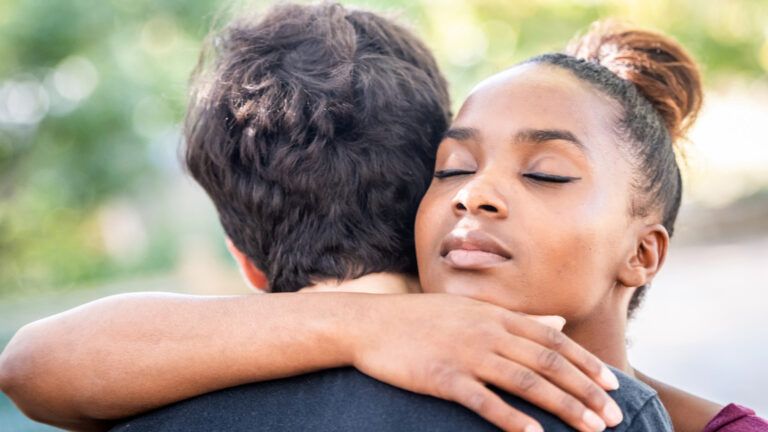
(373, 283)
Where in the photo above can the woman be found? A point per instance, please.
(585, 140)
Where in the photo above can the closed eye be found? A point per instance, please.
(550, 178)
(451, 173)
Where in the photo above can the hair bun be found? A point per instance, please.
(658, 65)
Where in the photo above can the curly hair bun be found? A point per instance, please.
(658, 65)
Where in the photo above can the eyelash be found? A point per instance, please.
(451, 173)
(539, 177)
(549, 178)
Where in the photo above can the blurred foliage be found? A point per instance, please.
(91, 94)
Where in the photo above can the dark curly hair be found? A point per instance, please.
(314, 131)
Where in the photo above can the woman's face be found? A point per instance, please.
(529, 207)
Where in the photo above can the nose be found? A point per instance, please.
(479, 196)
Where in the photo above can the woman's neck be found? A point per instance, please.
(603, 331)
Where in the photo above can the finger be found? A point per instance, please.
(488, 405)
(527, 384)
(522, 325)
(562, 373)
(554, 321)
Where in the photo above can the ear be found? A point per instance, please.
(646, 257)
(253, 275)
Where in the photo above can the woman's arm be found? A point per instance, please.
(129, 353)
(689, 413)
(133, 352)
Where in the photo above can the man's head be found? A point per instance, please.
(314, 131)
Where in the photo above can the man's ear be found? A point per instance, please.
(253, 275)
(646, 258)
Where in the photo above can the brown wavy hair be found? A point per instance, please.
(314, 131)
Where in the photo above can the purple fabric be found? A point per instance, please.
(736, 418)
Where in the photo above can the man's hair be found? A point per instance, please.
(314, 131)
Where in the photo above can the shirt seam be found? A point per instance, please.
(639, 410)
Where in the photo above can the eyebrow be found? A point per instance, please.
(524, 136)
(544, 135)
(462, 134)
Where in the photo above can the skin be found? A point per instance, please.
(524, 215)
(531, 148)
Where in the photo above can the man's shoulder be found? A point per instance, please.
(347, 400)
(331, 400)
(640, 404)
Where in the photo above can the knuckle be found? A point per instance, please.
(487, 333)
(525, 380)
(593, 365)
(594, 395)
(555, 339)
(550, 360)
(510, 319)
(571, 407)
(443, 377)
(514, 419)
(477, 402)
(486, 363)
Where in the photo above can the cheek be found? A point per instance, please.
(424, 219)
(432, 224)
(571, 252)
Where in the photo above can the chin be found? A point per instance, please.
(479, 288)
(490, 290)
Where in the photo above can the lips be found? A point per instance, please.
(472, 250)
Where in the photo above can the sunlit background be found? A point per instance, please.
(93, 200)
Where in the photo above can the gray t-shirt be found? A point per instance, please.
(347, 400)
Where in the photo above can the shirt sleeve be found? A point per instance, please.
(736, 418)
(651, 417)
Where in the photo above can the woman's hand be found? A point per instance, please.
(453, 347)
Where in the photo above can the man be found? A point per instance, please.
(314, 132)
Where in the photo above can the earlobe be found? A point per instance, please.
(252, 274)
(646, 258)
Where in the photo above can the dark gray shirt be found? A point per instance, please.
(346, 400)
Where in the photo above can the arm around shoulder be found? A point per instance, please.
(129, 353)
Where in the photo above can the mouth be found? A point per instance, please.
(472, 250)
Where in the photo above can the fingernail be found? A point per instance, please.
(554, 321)
(533, 428)
(557, 320)
(592, 421)
(612, 414)
(609, 379)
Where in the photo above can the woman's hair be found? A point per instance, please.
(658, 88)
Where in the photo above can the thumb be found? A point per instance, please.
(554, 321)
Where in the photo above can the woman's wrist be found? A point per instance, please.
(340, 324)
(353, 324)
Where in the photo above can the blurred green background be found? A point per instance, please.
(93, 200)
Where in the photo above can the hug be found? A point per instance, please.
(423, 271)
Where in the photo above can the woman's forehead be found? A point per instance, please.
(540, 96)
